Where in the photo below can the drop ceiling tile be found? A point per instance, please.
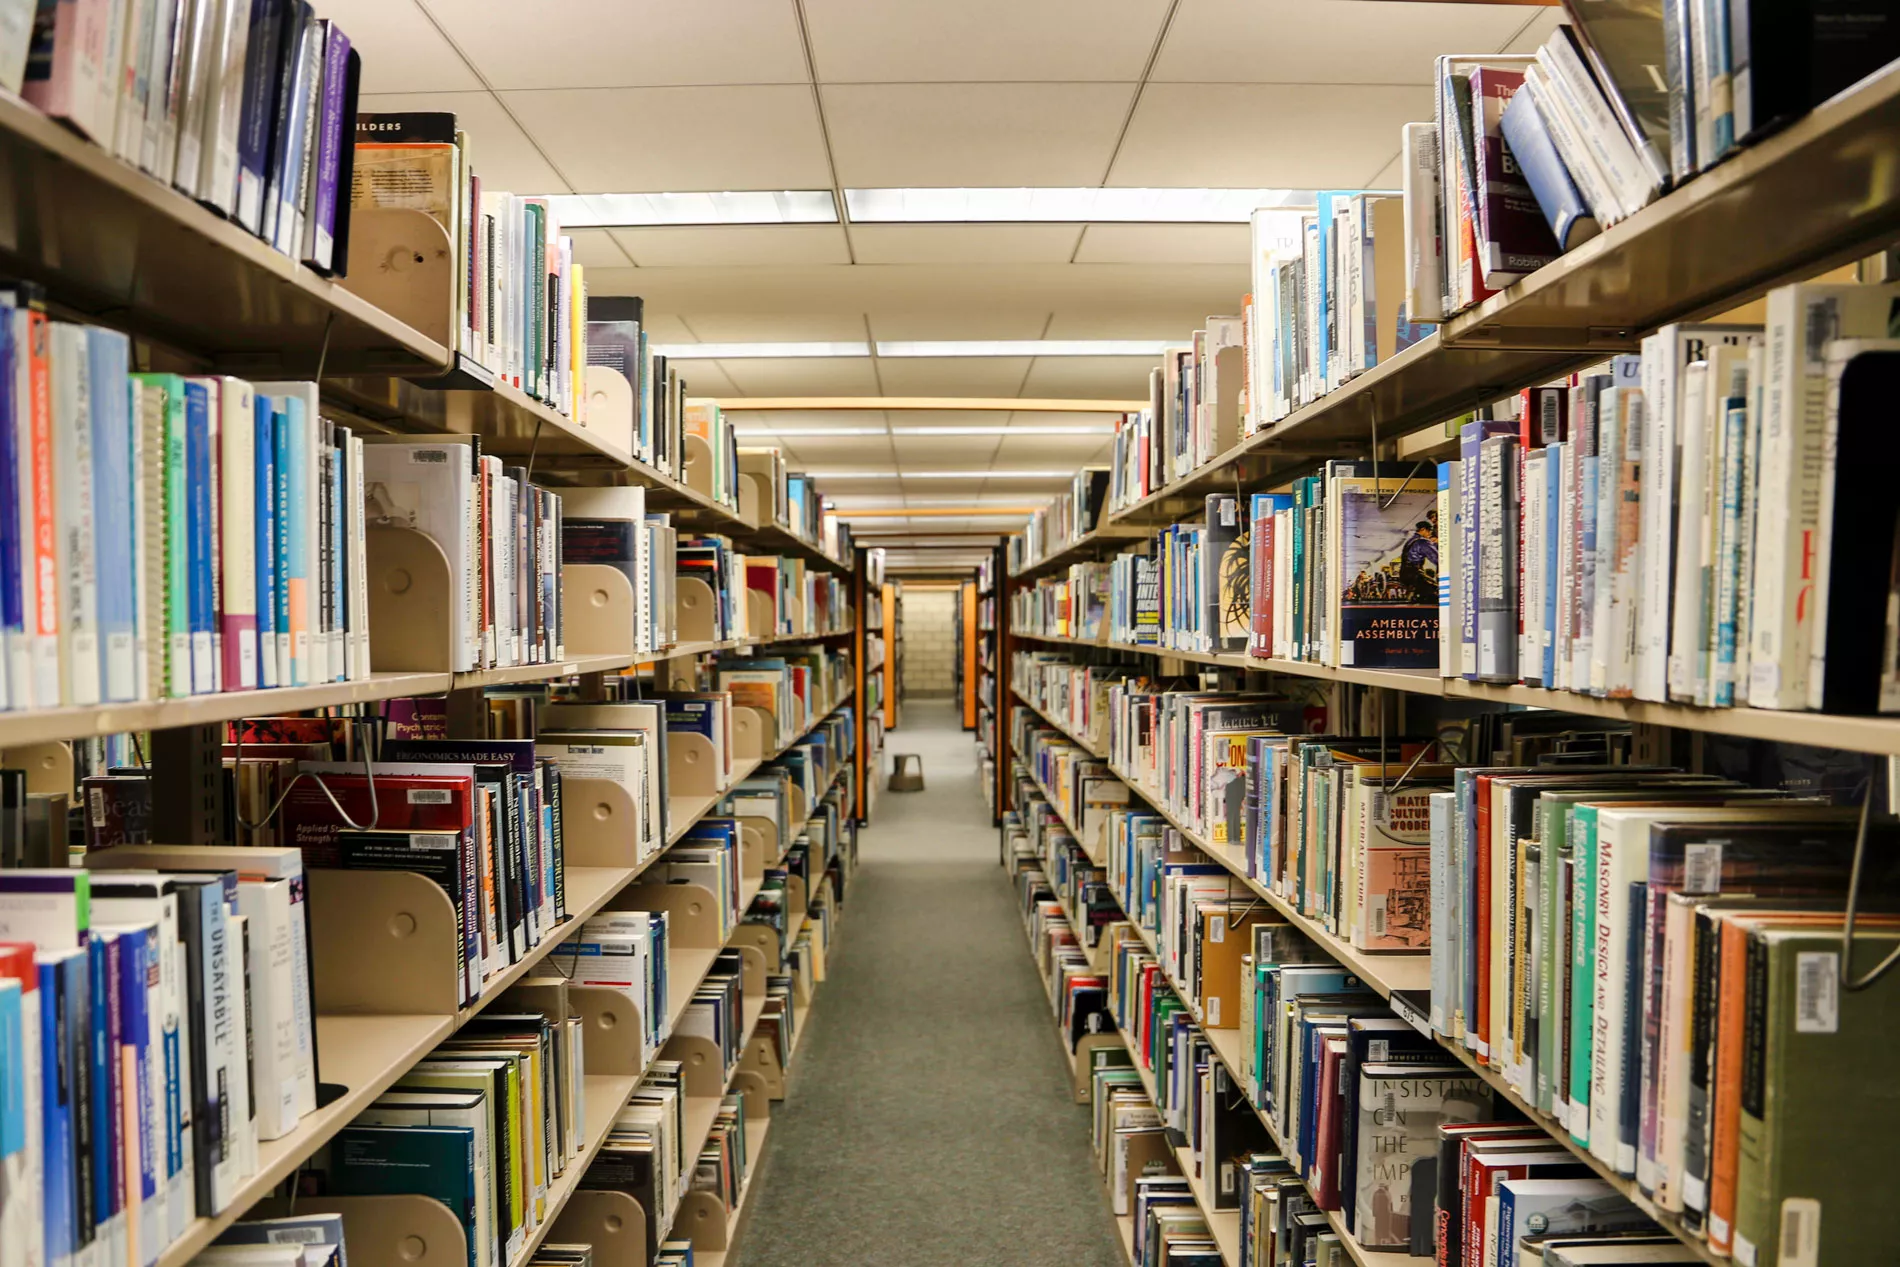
(1164, 244)
(1049, 453)
(803, 376)
(627, 43)
(941, 487)
(1089, 378)
(978, 135)
(1241, 138)
(1324, 41)
(964, 243)
(402, 49)
(1040, 418)
(876, 41)
(1137, 319)
(611, 140)
(949, 418)
(502, 154)
(596, 248)
(934, 320)
(775, 327)
(944, 453)
(1535, 32)
(952, 375)
(734, 245)
(707, 378)
(1387, 177)
(661, 327)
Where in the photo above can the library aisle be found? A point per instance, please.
(932, 1105)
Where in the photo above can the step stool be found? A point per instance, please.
(903, 778)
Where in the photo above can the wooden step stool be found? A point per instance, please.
(904, 779)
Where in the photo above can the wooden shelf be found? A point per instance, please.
(1106, 536)
(365, 1054)
(109, 241)
(1815, 195)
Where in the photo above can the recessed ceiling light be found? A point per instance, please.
(633, 211)
(1024, 347)
(1065, 206)
(753, 351)
(1073, 429)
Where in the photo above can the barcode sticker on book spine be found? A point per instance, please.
(1702, 868)
(428, 796)
(1817, 992)
(1800, 1232)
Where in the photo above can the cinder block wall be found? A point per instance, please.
(930, 642)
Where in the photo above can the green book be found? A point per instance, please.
(1582, 836)
(1818, 1101)
(429, 1161)
(171, 585)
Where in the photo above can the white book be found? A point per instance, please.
(72, 443)
(237, 544)
(1751, 508)
(1576, 87)
(1566, 579)
(427, 486)
(111, 42)
(1609, 441)
(1718, 540)
(160, 137)
(1530, 657)
(135, 85)
(1688, 607)
(238, 1089)
(193, 55)
(1424, 247)
(16, 36)
(359, 566)
(270, 976)
(1578, 158)
(1802, 320)
(230, 37)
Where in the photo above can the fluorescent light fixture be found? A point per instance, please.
(766, 433)
(633, 211)
(1025, 347)
(1073, 429)
(755, 351)
(940, 475)
(1065, 206)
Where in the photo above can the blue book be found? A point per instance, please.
(1322, 333)
(108, 355)
(198, 553)
(264, 521)
(139, 965)
(107, 1159)
(296, 526)
(59, 1118)
(12, 594)
(1554, 490)
(1528, 138)
(12, 1064)
(280, 520)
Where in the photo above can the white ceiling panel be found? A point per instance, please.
(735, 245)
(706, 378)
(502, 154)
(964, 243)
(1164, 244)
(804, 376)
(1047, 453)
(1029, 418)
(944, 453)
(1139, 320)
(1244, 135)
(967, 488)
(943, 322)
(969, 134)
(1387, 177)
(948, 417)
(952, 375)
(803, 327)
(661, 327)
(877, 41)
(609, 140)
(1089, 378)
(1325, 41)
(596, 248)
(402, 50)
(627, 43)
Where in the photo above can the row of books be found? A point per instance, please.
(1293, 1126)
(1069, 517)
(164, 535)
(1673, 523)
(157, 1024)
(520, 299)
(242, 107)
(1530, 155)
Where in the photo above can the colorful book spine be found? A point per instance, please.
(320, 234)
(237, 544)
(73, 436)
(296, 517)
(199, 565)
(281, 440)
(264, 544)
(14, 689)
(174, 587)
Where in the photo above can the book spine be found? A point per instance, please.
(73, 431)
(16, 691)
(176, 580)
(237, 536)
(319, 239)
(258, 110)
(146, 413)
(299, 582)
(283, 442)
(59, 1165)
(264, 536)
(200, 561)
(1497, 605)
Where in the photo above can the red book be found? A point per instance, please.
(1488, 1163)
(404, 802)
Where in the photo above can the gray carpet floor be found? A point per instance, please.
(929, 1121)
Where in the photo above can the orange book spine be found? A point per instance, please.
(1726, 1104)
